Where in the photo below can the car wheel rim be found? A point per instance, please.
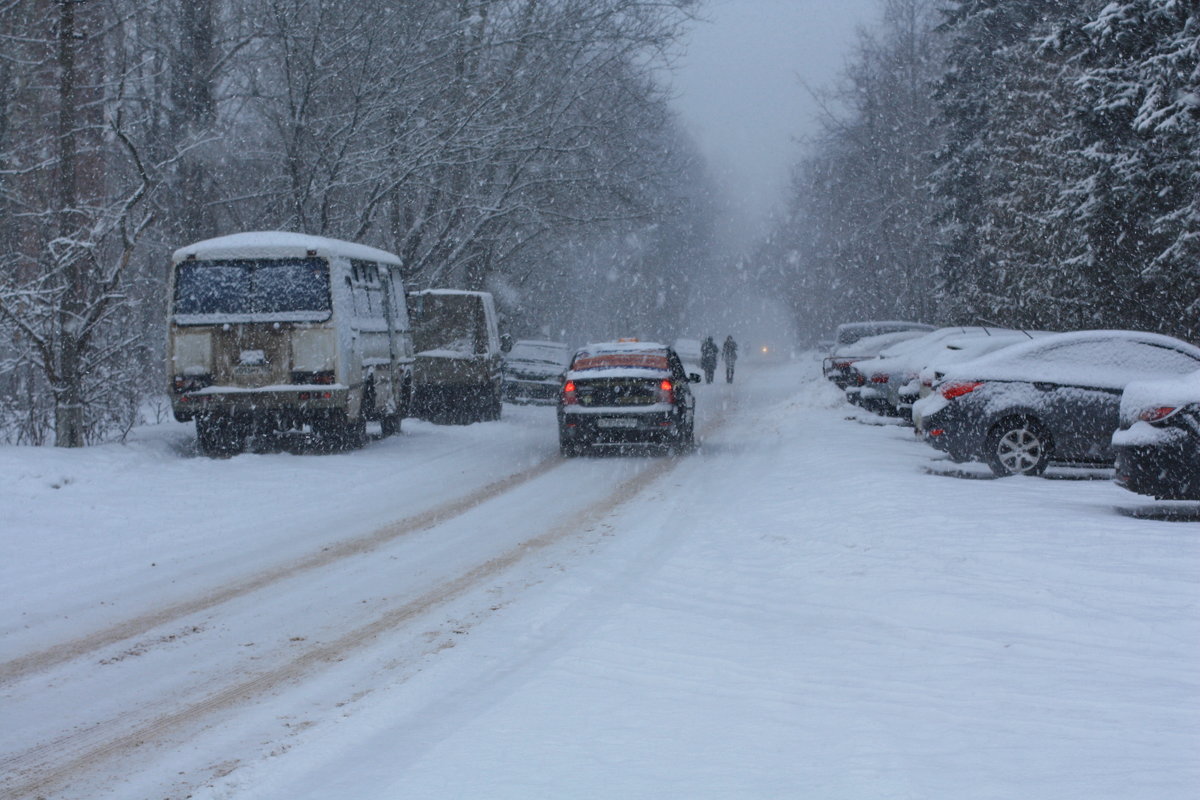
(1019, 450)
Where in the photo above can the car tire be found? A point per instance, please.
(336, 432)
(1018, 446)
(389, 424)
(568, 447)
(495, 406)
(687, 435)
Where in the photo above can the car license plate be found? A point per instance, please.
(616, 422)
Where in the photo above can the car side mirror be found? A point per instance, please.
(693, 377)
(506, 342)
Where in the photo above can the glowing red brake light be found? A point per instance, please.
(879, 378)
(666, 391)
(1157, 414)
(569, 396)
(959, 388)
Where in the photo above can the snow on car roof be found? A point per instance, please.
(535, 350)
(622, 347)
(655, 361)
(1087, 358)
(872, 345)
(957, 350)
(279, 244)
(913, 354)
(621, 355)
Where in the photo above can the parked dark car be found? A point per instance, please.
(533, 371)
(1158, 444)
(622, 392)
(1055, 398)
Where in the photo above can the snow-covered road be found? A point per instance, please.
(798, 609)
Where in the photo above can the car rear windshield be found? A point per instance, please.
(249, 287)
(607, 360)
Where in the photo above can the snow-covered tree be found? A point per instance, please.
(1139, 202)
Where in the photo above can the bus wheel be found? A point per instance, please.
(335, 432)
(219, 435)
(389, 424)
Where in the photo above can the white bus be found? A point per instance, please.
(273, 332)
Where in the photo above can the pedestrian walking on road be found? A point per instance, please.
(729, 353)
(708, 358)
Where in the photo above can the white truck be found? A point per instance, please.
(458, 372)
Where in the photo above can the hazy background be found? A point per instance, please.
(740, 94)
(740, 90)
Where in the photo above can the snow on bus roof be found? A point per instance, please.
(279, 244)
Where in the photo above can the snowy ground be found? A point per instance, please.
(798, 609)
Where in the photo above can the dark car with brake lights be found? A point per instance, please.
(624, 392)
(1054, 398)
(1158, 443)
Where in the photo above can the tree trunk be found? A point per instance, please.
(67, 380)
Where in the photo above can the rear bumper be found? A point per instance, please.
(945, 432)
(301, 402)
(1167, 472)
(616, 427)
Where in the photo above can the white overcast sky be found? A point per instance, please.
(740, 92)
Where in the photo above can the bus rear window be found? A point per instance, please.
(247, 287)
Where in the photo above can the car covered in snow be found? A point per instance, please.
(836, 366)
(533, 371)
(960, 350)
(626, 391)
(1054, 398)
(889, 383)
(850, 332)
(1158, 443)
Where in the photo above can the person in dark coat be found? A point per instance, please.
(708, 358)
(729, 353)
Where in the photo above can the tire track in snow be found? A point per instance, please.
(33, 662)
(54, 764)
